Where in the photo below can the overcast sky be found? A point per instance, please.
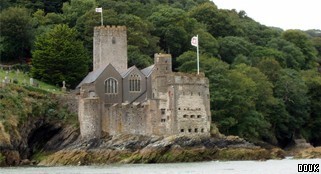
(285, 14)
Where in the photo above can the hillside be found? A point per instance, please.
(29, 118)
(265, 82)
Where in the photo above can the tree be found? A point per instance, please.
(291, 88)
(302, 41)
(231, 47)
(174, 29)
(59, 56)
(259, 53)
(76, 8)
(292, 56)
(16, 33)
(235, 105)
(312, 127)
(271, 68)
(135, 57)
(218, 22)
(317, 44)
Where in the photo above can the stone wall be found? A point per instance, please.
(129, 119)
(70, 101)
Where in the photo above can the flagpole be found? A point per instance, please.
(198, 58)
(101, 16)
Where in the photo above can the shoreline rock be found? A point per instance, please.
(154, 149)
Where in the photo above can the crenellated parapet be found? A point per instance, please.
(187, 79)
(110, 30)
(110, 47)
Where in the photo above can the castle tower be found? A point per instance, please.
(110, 46)
(163, 63)
(89, 113)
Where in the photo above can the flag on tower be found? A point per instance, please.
(99, 10)
(194, 41)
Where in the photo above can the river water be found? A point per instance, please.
(286, 166)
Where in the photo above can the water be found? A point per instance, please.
(286, 166)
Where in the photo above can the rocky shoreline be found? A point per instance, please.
(156, 149)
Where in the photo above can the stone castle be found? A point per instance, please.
(117, 100)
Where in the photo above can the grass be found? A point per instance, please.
(40, 155)
(2, 158)
(24, 79)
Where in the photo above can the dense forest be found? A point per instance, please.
(265, 82)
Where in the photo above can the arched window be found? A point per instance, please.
(111, 86)
(134, 83)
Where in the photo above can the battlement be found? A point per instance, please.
(160, 57)
(110, 30)
(187, 78)
(110, 47)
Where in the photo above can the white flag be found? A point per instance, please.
(99, 10)
(194, 41)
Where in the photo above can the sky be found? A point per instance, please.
(285, 14)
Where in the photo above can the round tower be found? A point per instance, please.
(89, 113)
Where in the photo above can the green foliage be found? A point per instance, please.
(301, 40)
(76, 8)
(313, 81)
(16, 34)
(265, 88)
(172, 27)
(219, 22)
(294, 92)
(135, 57)
(20, 103)
(2, 159)
(231, 47)
(270, 67)
(59, 56)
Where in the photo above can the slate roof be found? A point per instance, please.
(93, 75)
(148, 70)
(124, 74)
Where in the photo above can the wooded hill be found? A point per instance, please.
(265, 84)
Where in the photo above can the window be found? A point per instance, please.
(163, 120)
(189, 130)
(134, 83)
(195, 130)
(111, 86)
(199, 116)
(192, 116)
(185, 116)
(202, 130)
(182, 130)
(163, 111)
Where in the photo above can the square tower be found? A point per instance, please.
(110, 47)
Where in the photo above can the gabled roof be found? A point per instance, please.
(92, 76)
(125, 73)
(148, 70)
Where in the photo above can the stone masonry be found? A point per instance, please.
(117, 100)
